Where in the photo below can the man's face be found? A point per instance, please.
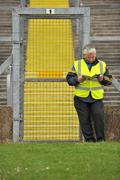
(90, 57)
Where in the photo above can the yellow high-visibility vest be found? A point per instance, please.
(90, 84)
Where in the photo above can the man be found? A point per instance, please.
(89, 75)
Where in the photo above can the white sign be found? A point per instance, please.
(50, 11)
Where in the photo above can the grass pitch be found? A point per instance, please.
(60, 161)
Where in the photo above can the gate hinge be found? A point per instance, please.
(17, 42)
(18, 119)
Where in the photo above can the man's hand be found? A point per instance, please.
(100, 78)
(81, 79)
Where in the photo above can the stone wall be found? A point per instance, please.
(112, 123)
(6, 116)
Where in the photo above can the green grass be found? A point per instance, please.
(60, 161)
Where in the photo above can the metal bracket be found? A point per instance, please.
(6, 65)
(17, 42)
(19, 119)
(9, 69)
(16, 119)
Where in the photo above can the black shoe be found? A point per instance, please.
(100, 140)
(91, 140)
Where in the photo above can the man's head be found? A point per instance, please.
(89, 53)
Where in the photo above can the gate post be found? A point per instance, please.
(16, 74)
(86, 26)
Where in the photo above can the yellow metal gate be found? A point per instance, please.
(49, 113)
(48, 105)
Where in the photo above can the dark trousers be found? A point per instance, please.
(88, 113)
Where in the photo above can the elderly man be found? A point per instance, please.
(89, 75)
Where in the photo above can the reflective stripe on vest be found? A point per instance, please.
(90, 89)
(101, 68)
(79, 68)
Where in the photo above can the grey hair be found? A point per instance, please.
(89, 48)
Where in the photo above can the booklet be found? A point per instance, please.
(91, 78)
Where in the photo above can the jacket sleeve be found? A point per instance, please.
(107, 80)
(71, 77)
